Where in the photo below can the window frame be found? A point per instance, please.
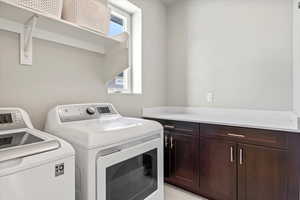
(128, 73)
(136, 42)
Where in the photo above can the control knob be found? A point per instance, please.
(90, 111)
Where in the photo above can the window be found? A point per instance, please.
(125, 16)
(116, 25)
(120, 22)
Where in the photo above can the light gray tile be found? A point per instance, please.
(174, 193)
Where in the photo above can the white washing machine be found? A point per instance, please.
(33, 165)
(117, 158)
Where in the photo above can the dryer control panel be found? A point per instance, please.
(11, 119)
(69, 113)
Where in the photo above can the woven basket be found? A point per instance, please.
(91, 14)
(50, 7)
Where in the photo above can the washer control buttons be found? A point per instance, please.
(59, 169)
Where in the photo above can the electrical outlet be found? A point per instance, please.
(210, 97)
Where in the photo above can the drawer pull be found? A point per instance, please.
(236, 135)
(241, 157)
(169, 127)
(166, 141)
(172, 144)
(231, 154)
(183, 130)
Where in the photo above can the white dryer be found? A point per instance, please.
(117, 158)
(33, 165)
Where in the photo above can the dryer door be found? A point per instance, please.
(133, 173)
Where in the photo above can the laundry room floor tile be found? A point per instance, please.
(174, 193)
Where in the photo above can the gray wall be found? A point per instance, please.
(296, 57)
(62, 75)
(241, 50)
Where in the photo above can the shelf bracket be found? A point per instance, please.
(26, 41)
(116, 58)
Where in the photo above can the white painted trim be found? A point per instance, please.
(136, 43)
(137, 52)
(125, 5)
(127, 78)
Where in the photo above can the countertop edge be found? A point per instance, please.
(163, 117)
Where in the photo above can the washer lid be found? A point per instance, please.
(100, 133)
(24, 142)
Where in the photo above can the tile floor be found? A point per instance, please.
(173, 193)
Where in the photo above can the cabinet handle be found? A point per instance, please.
(172, 144)
(169, 127)
(166, 141)
(241, 157)
(183, 130)
(231, 154)
(236, 135)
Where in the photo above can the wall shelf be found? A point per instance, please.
(14, 18)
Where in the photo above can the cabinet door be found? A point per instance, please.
(218, 169)
(262, 173)
(184, 165)
(167, 156)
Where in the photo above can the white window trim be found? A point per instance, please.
(135, 44)
(127, 74)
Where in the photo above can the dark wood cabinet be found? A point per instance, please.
(262, 173)
(167, 152)
(259, 164)
(183, 165)
(232, 163)
(217, 169)
(181, 148)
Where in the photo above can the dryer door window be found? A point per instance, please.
(132, 179)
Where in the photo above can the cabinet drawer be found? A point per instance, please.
(181, 127)
(161, 121)
(269, 138)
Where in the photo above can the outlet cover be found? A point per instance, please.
(210, 97)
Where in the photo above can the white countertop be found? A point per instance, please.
(271, 120)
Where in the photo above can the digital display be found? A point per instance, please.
(6, 118)
(103, 110)
(5, 141)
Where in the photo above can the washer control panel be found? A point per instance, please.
(11, 119)
(69, 113)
